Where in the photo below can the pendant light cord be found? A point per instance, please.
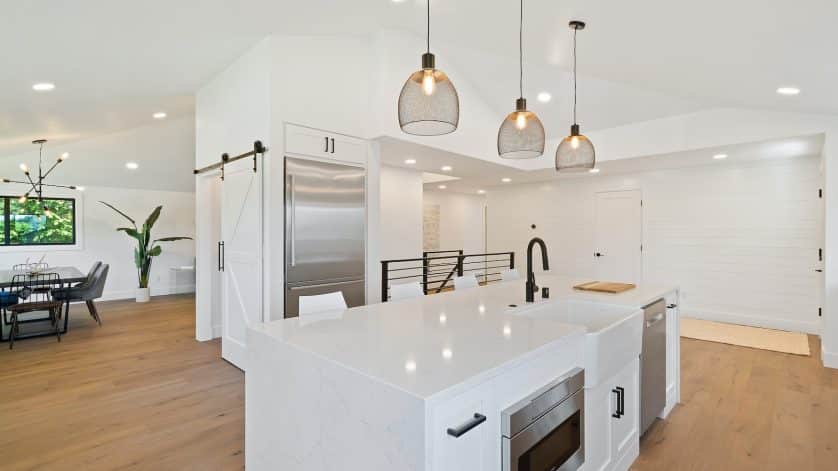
(521, 52)
(428, 25)
(575, 30)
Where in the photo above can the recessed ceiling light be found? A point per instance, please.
(446, 168)
(788, 91)
(410, 366)
(593, 170)
(544, 97)
(132, 166)
(447, 353)
(442, 187)
(410, 161)
(481, 192)
(506, 179)
(43, 87)
(720, 156)
(159, 115)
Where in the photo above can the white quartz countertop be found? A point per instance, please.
(429, 344)
(561, 287)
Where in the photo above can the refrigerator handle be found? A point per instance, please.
(293, 219)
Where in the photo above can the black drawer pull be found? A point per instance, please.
(621, 405)
(463, 429)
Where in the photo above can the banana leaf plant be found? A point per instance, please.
(146, 248)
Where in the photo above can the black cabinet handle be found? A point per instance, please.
(621, 411)
(333, 145)
(327, 144)
(671, 306)
(819, 270)
(597, 254)
(463, 429)
(221, 254)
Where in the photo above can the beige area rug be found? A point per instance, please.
(744, 336)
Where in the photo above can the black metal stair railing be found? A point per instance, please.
(437, 269)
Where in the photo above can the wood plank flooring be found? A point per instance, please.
(137, 393)
(141, 393)
(745, 409)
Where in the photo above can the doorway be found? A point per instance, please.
(618, 236)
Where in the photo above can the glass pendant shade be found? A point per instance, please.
(521, 135)
(429, 104)
(575, 153)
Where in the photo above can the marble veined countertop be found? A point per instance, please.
(429, 344)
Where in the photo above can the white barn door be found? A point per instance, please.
(241, 232)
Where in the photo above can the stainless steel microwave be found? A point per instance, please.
(546, 430)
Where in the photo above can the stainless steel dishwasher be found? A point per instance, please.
(653, 364)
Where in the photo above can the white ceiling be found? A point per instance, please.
(475, 174)
(116, 63)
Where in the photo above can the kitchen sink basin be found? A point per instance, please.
(613, 333)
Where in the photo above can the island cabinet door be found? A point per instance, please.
(625, 412)
(599, 405)
(462, 437)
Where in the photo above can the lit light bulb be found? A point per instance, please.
(574, 142)
(64, 156)
(24, 168)
(429, 83)
(521, 121)
(22, 199)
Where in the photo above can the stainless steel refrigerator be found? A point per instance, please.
(325, 215)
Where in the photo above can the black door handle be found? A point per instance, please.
(671, 306)
(597, 254)
(333, 145)
(463, 429)
(819, 270)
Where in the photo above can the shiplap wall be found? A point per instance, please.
(741, 240)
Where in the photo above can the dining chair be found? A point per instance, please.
(406, 291)
(510, 274)
(466, 281)
(34, 293)
(88, 291)
(322, 303)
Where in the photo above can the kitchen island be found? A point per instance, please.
(420, 384)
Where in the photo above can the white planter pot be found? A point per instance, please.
(142, 295)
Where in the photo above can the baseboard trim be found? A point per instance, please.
(216, 331)
(808, 327)
(829, 359)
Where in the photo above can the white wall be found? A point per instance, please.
(740, 240)
(100, 241)
(401, 214)
(460, 220)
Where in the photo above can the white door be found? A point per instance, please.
(241, 232)
(618, 236)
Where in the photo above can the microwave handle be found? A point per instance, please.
(466, 427)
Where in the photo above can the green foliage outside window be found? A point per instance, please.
(28, 223)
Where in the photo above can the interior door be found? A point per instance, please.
(618, 236)
(240, 256)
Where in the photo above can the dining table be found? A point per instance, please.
(68, 275)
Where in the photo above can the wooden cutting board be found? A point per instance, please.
(605, 287)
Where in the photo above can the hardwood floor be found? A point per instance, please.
(141, 393)
(746, 409)
(137, 393)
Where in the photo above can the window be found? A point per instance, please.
(29, 223)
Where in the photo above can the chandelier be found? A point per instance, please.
(36, 187)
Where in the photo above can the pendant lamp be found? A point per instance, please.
(521, 135)
(428, 103)
(576, 152)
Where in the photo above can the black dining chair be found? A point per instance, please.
(87, 291)
(35, 293)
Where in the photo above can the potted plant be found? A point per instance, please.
(146, 248)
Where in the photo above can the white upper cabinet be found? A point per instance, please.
(305, 141)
